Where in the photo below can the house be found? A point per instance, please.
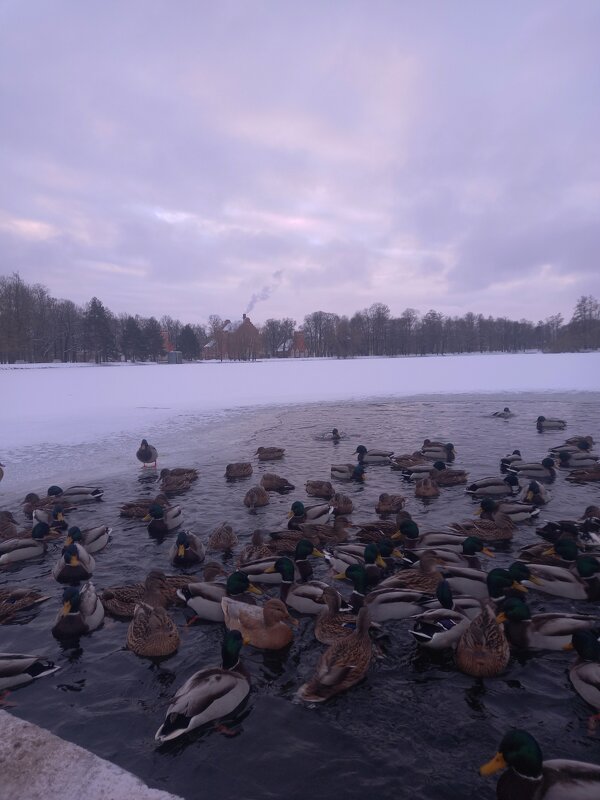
(235, 342)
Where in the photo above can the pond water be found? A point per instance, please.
(416, 727)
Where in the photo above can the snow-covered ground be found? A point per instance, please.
(46, 411)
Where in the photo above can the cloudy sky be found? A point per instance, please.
(199, 157)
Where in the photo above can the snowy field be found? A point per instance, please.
(53, 421)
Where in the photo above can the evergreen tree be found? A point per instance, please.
(97, 333)
(188, 343)
(152, 339)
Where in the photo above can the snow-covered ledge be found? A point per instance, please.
(38, 765)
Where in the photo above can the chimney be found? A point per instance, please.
(243, 317)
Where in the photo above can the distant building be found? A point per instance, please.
(235, 342)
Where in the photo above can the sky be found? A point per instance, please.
(193, 158)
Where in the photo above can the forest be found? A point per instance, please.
(36, 327)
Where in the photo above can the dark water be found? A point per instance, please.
(416, 727)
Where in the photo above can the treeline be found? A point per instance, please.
(35, 327)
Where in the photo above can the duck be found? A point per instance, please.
(186, 550)
(447, 477)
(540, 631)
(322, 489)
(586, 475)
(74, 565)
(482, 650)
(82, 612)
(175, 481)
(138, 509)
(390, 503)
(498, 529)
(22, 549)
(377, 530)
(269, 453)
(76, 494)
(493, 487)
(258, 548)
(534, 493)
(317, 514)
(341, 504)
(365, 456)
(467, 557)
(19, 669)
(274, 483)
(222, 538)
(547, 424)
(562, 554)
(8, 525)
(514, 511)
(335, 435)
(411, 537)
(344, 664)
(427, 488)
(580, 582)
(238, 469)
(409, 461)
(512, 458)
(366, 555)
(53, 517)
(209, 694)
(576, 460)
(204, 597)
(263, 570)
(33, 501)
(146, 453)
(528, 777)
(348, 472)
(120, 601)
(331, 623)
(14, 599)
(264, 627)
(543, 471)
(93, 539)
(256, 497)
(506, 413)
(493, 585)
(305, 598)
(152, 633)
(584, 673)
(163, 520)
(581, 441)
(439, 628)
(438, 451)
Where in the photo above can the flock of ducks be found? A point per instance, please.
(395, 570)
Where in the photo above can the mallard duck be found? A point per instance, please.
(365, 555)
(580, 582)
(335, 435)
(342, 665)
(82, 612)
(163, 520)
(326, 534)
(258, 548)
(467, 557)
(322, 489)
(93, 539)
(439, 628)
(316, 514)
(540, 631)
(348, 472)
(222, 538)
(239, 469)
(412, 539)
(274, 483)
(424, 578)
(209, 694)
(146, 453)
(175, 481)
(514, 511)
(426, 488)
(76, 494)
(263, 570)
(152, 633)
(8, 525)
(543, 471)
(33, 501)
(585, 672)
(138, 509)
(74, 565)
(269, 453)
(580, 447)
(408, 461)
(506, 413)
(493, 585)
(444, 598)
(587, 475)
(530, 778)
(365, 456)
(447, 477)
(186, 550)
(332, 624)
(512, 458)
(261, 626)
(438, 451)
(120, 601)
(386, 603)
(19, 669)
(577, 460)
(256, 497)
(14, 599)
(53, 517)
(493, 487)
(342, 504)
(204, 597)
(546, 424)
(498, 529)
(306, 598)
(390, 503)
(377, 530)
(581, 441)
(482, 650)
(534, 493)
(563, 554)
(22, 549)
